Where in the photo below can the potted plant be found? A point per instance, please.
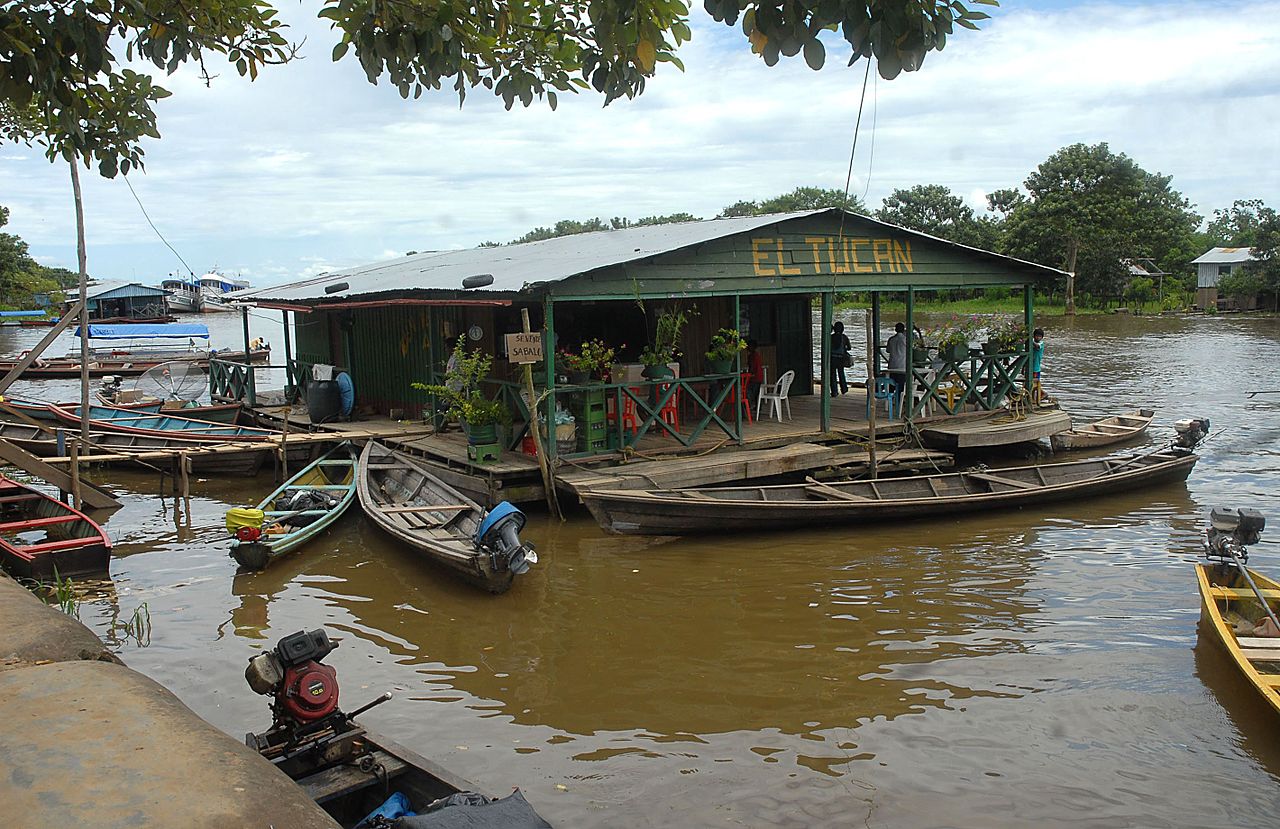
(954, 344)
(462, 397)
(666, 338)
(590, 362)
(723, 350)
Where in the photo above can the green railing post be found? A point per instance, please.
(549, 360)
(737, 364)
(907, 404)
(828, 311)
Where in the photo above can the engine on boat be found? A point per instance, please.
(499, 533)
(308, 731)
(1190, 432)
(1231, 532)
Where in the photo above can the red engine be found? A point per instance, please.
(303, 690)
(309, 691)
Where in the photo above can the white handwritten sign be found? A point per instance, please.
(524, 348)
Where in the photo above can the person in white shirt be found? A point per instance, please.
(898, 359)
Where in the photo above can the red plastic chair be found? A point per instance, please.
(743, 381)
(670, 411)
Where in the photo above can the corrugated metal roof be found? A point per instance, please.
(119, 290)
(1224, 256)
(519, 267)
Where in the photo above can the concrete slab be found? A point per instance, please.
(96, 744)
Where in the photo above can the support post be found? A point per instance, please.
(871, 391)
(82, 257)
(184, 470)
(549, 361)
(828, 311)
(74, 454)
(737, 364)
(1028, 320)
(544, 462)
(908, 394)
(876, 326)
(290, 385)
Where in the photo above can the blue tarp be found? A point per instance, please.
(147, 332)
(21, 313)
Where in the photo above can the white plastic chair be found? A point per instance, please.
(775, 393)
(921, 392)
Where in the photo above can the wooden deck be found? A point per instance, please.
(998, 429)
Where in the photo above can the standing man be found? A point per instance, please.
(840, 360)
(898, 361)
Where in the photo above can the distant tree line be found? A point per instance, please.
(1086, 210)
(21, 277)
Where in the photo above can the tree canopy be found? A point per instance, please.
(1088, 208)
(1237, 226)
(801, 198)
(20, 275)
(63, 78)
(934, 209)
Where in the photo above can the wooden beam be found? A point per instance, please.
(426, 508)
(819, 488)
(34, 354)
(999, 479)
(94, 498)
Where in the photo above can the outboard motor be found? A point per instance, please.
(111, 387)
(499, 533)
(308, 732)
(1230, 532)
(1190, 432)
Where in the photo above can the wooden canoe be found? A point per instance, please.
(427, 515)
(110, 419)
(39, 534)
(1228, 605)
(334, 473)
(205, 457)
(1105, 432)
(227, 413)
(815, 504)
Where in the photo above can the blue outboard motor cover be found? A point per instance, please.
(346, 392)
(496, 515)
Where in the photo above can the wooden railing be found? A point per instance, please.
(984, 380)
(232, 382)
(700, 402)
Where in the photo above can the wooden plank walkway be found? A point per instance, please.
(745, 464)
(1000, 429)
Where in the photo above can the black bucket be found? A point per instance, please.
(324, 401)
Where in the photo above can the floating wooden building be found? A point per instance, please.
(775, 278)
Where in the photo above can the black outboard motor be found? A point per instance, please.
(1190, 432)
(1230, 532)
(499, 533)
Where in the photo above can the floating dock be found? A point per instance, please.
(995, 429)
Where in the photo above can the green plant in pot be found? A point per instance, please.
(954, 344)
(461, 396)
(723, 350)
(666, 338)
(590, 362)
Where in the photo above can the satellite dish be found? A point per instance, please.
(479, 280)
(176, 380)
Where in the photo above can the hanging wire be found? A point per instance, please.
(875, 116)
(156, 229)
(848, 179)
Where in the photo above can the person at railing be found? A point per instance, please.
(840, 359)
(897, 346)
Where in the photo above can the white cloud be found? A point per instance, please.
(311, 168)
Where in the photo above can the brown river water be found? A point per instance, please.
(1036, 667)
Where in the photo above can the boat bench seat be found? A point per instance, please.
(8, 499)
(1241, 593)
(346, 778)
(30, 523)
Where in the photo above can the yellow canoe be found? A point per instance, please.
(1228, 605)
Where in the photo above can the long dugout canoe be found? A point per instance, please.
(815, 504)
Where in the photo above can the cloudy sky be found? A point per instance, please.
(311, 168)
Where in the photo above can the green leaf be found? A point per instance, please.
(815, 54)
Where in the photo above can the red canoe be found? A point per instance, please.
(39, 533)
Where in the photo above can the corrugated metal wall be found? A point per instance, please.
(392, 348)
